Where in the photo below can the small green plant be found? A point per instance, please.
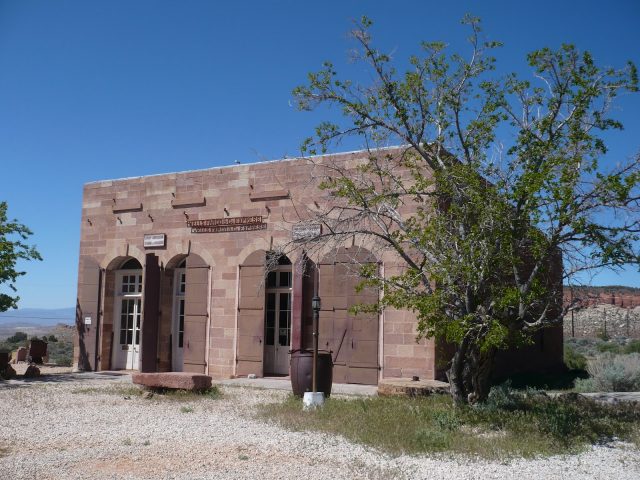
(574, 360)
(632, 347)
(189, 395)
(603, 335)
(127, 442)
(610, 347)
(243, 457)
(186, 409)
(146, 443)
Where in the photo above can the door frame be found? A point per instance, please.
(178, 296)
(117, 311)
(277, 290)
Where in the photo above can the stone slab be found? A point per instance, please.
(411, 388)
(173, 380)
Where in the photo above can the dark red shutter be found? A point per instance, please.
(150, 314)
(195, 315)
(250, 349)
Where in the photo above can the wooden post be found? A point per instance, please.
(316, 314)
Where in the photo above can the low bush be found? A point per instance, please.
(612, 373)
(610, 348)
(573, 359)
(632, 347)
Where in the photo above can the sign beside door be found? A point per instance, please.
(155, 240)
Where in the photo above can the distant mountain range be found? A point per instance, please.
(38, 316)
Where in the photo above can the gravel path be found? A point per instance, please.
(94, 429)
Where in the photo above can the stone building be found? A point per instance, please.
(172, 278)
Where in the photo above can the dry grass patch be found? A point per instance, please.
(510, 425)
(125, 390)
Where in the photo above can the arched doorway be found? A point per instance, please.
(277, 318)
(127, 315)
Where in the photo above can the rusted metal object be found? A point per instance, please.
(37, 350)
(4, 360)
(21, 355)
(302, 369)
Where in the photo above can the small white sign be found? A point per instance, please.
(306, 231)
(155, 240)
(87, 320)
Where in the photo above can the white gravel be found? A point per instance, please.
(67, 430)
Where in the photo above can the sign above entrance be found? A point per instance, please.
(155, 240)
(231, 224)
(306, 232)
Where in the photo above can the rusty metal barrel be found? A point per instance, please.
(37, 350)
(302, 369)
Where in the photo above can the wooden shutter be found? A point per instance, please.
(333, 326)
(150, 314)
(353, 339)
(88, 306)
(363, 360)
(250, 353)
(195, 315)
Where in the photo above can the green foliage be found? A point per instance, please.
(509, 424)
(574, 360)
(632, 347)
(13, 247)
(61, 352)
(17, 337)
(500, 180)
(606, 346)
(612, 373)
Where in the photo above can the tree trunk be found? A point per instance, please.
(455, 374)
(470, 374)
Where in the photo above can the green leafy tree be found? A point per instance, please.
(13, 247)
(497, 180)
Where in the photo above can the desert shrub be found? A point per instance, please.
(61, 352)
(583, 346)
(17, 337)
(609, 347)
(612, 373)
(573, 359)
(632, 347)
(502, 397)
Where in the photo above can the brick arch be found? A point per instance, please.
(116, 253)
(258, 245)
(175, 260)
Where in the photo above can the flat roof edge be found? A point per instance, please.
(336, 154)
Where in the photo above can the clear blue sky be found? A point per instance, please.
(105, 89)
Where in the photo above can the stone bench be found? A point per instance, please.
(173, 380)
